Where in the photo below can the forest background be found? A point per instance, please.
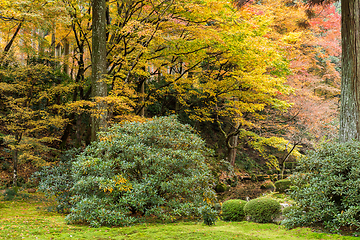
(259, 81)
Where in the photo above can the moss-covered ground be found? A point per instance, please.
(28, 217)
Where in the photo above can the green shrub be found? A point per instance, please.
(262, 210)
(10, 193)
(57, 181)
(288, 209)
(283, 185)
(268, 185)
(209, 215)
(233, 210)
(221, 187)
(326, 188)
(152, 169)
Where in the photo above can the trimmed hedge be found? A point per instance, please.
(233, 210)
(262, 210)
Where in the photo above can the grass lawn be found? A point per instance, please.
(27, 218)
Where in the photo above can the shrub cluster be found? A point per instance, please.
(282, 185)
(135, 170)
(233, 210)
(326, 188)
(262, 210)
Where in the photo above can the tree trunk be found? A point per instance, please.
(232, 150)
(99, 86)
(350, 80)
(15, 166)
(66, 55)
(142, 99)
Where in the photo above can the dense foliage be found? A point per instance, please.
(233, 210)
(138, 170)
(262, 210)
(326, 188)
(56, 181)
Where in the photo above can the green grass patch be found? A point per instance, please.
(28, 218)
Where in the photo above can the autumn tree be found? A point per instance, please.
(29, 97)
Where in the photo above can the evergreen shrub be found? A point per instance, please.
(141, 170)
(283, 185)
(326, 188)
(233, 210)
(262, 210)
(288, 209)
(57, 181)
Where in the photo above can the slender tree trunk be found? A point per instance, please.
(99, 86)
(232, 150)
(350, 81)
(142, 99)
(232, 144)
(15, 166)
(66, 55)
(10, 43)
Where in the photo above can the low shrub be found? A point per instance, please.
(57, 181)
(288, 209)
(326, 188)
(10, 193)
(282, 185)
(268, 185)
(262, 210)
(233, 210)
(141, 170)
(209, 214)
(221, 187)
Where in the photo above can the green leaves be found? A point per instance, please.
(326, 188)
(156, 168)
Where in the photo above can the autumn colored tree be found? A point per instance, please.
(29, 97)
(310, 39)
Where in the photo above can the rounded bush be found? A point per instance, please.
(233, 210)
(221, 187)
(262, 210)
(153, 169)
(268, 185)
(283, 185)
(326, 188)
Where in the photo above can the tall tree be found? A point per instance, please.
(99, 86)
(350, 78)
(350, 81)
